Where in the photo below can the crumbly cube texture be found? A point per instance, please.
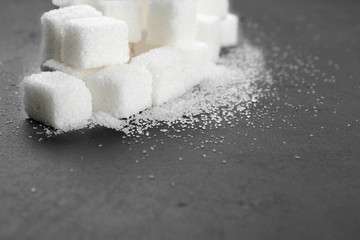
(121, 90)
(173, 70)
(230, 31)
(172, 23)
(53, 65)
(58, 100)
(66, 3)
(95, 42)
(127, 11)
(219, 8)
(52, 23)
(209, 32)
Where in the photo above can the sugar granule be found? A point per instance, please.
(236, 81)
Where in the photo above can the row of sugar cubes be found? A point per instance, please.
(122, 57)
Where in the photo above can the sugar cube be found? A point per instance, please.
(174, 70)
(52, 28)
(229, 30)
(209, 33)
(95, 42)
(67, 3)
(217, 8)
(166, 65)
(171, 22)
(196, 62)
(121, 90)
(127, 11)
(53, 65)
(58, 100)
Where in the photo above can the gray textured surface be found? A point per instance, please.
(262, 192)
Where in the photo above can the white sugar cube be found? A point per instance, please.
(174, 70)
(52, 23)
(53, 65)
(95, 42)
(196, 59)
(217, 8)
(144, 9)
(66, 3)
(166, 65)
(171, 22)
(121, 90)
(230, 30)
(209, 32)
(58, 100)
(127, 11)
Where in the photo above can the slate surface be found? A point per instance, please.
(67, 187)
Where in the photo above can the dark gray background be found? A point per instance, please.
(67, 187)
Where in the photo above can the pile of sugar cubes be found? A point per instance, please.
(121, 57)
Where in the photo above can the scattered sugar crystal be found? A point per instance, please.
(95, 42)
(171, 22)
(53, 65)
(209, 33)
(52, 23)
(107, 120)
(121, 90)
(58, 100)
(218, 8)
(127, 11)
(230, 30)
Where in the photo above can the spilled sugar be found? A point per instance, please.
(239, 79)
(292, 72)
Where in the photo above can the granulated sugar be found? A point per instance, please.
(237, 80)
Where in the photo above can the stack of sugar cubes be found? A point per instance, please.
(121, 57)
